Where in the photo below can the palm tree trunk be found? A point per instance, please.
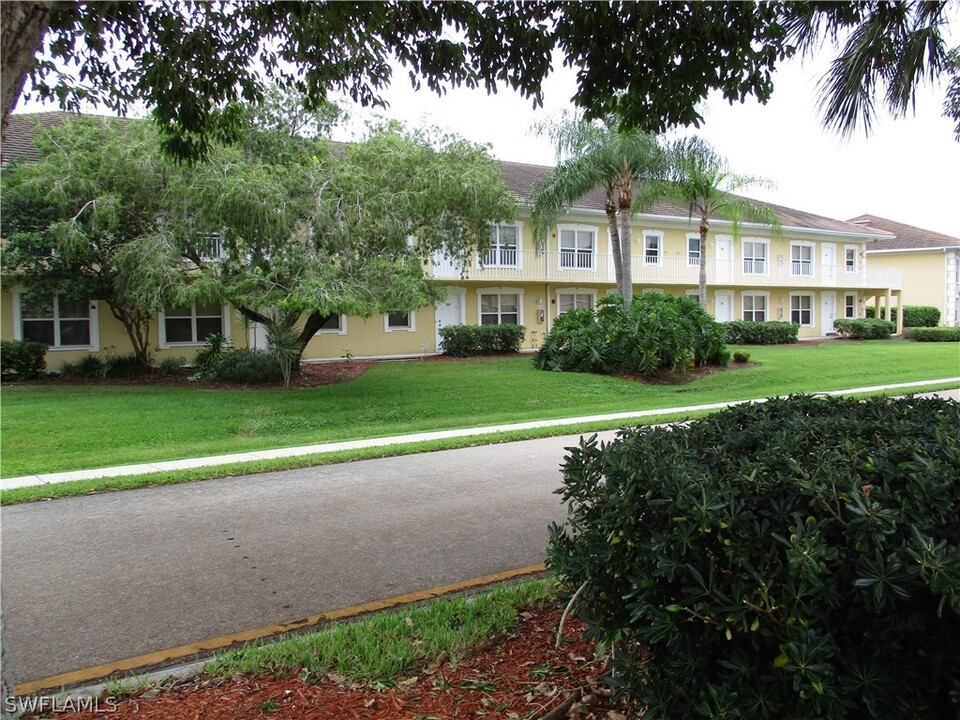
(704, 227)
(625, 208)
(611, 209)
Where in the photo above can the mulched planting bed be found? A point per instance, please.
(519, 675)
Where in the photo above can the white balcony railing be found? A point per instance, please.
(527, 265)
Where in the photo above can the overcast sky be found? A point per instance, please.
(906, 170)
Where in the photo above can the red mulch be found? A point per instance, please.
(517, 676)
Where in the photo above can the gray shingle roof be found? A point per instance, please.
(22, 128)
(908, 237)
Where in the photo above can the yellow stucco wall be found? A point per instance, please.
(924, 276)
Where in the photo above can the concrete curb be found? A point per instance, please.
(324, 448)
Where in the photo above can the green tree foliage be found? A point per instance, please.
(597, 154)
(83, 220)
(694, 175)
(658, 332)
(791, 560)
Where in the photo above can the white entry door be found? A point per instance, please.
(723, 305)
(452, 311)
(828, 312)
(723, 246)
(828, 263)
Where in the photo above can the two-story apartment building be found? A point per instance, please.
(811, 272)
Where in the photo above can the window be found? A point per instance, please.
(754, 307)
(574, 300)
(693, 250)
(57, 322)
(334, 323)
(398, 320)
(801, 309)
(191, 324)
(504, 243)
(652, 247)
(850, 258)
(500, 308)
(850, 306)
(577, 248)
(801, 259)
(755, 256)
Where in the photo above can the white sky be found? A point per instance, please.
(905, 171)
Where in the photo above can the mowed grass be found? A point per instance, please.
(50, 428)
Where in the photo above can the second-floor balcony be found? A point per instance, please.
(510, 265)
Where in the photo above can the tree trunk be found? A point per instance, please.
(611, 211)
(626, 238)
(138, 330)
(310, 327)
(704, 227)
(22, 27)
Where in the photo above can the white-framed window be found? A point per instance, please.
(693, 250)
(575, 299)
(801, 309)
(850, 258)
(400, 321)
(193, 324)
(850, 306)
(333, 324)
(756, 255)
(801, 259)
(59, 322)
(693, 295)
(502, 306)
(578, 247)
(652, 247)
(754, 306)
(504, 250)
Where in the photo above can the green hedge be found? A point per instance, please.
(742, 332)
(658, 332)
(468, 340)
(865, 329)
(936, 334)
(22, 359)
(789, 560)
(913, 315)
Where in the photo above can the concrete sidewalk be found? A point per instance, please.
(325, 448)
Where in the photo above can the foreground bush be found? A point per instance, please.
(865, 329)
(936, 334)
(913, 315)
(742, 332)
(468, 340)
(795, 559)
(22, 359)
(658, 332)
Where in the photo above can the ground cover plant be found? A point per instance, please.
(54, 427)
(795, 559)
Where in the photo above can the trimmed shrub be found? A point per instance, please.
(913, 315)
(89, 366)
(246, 367)
(22, 359)
(659, 332)
(468, 340)
(774, 332)
(171, 365)
(741, 357)
(864, 329)
(936, 334)
(124, 366)
(794, 559)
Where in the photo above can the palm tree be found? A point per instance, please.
(697, 176)
(591, 155)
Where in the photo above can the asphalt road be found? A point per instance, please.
(93, 579)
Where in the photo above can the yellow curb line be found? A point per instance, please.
(161, 656)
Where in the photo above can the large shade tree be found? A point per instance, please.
(590, 155)
(697, 177)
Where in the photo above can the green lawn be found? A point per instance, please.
(55, 428)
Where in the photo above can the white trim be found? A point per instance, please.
(766, 305)
(162, 343)
(693, 236)
(856, 305)
(94, 318)
(574, 291)
(643, 237)
(500, 291)
(766, 261)
(577, 229)
(813, 308)
(812, 261)
(519, 263)
(824, 294)
(717, 294)
(944, 248)
(856, 259)
(411, 322)
(342, 329)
